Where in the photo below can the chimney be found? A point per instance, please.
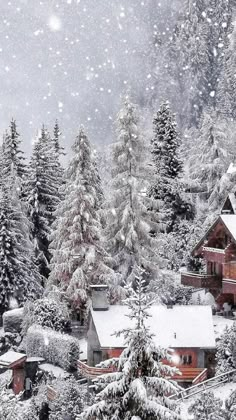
(99, 297)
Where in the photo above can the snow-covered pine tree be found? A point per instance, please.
(19, 277)
(141, 387)
(98, 182)
(207, 407)
(166, 191)
(198, 47)
(13, 158)
(212, 152)
(226, 98)
(56, 139)
(58, 152)
(128, 221)
(13, 155)
(43, 196)
(79, 258)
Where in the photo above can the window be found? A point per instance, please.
(186, 359)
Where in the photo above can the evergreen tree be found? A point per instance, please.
(226, 95)
(43, 196)
(56, 139)
(166, 191)
(78, 255)
(19, 276)
(13, 159)
(211, 153)
(207, 407)
(58, 151)
(141, 386)
(199, 42)
(129, 223)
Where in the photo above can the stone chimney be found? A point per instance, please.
(99, 297)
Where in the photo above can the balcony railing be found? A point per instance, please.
(200, 280)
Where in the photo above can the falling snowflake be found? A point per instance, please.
(54, 23)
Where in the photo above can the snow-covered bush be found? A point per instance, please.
(47, 312)
(207, 407)
(226, 350)
(9, 341)
(10, 406)
(54, 347)
(12, 320)
(230, 406)
(70, 399)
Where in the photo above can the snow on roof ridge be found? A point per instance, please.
(175, 330)
(229, 221)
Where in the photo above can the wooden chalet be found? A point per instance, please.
(218, 250)
(187, 330)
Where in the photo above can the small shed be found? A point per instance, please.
(22, 367)
(16, 362)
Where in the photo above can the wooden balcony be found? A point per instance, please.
(229, 286)
(229, 270)
(214, 254)
(199, 280)
(187, 374)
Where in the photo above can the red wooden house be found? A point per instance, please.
(187, 330)
(218, 250)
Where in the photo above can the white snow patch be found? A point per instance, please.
(56, 371)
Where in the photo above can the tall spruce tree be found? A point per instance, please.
(129, 223)
(166, 191)
(19, 277)
(212, 152)
(227, 84)
(58, 151)
(43, 196)
(141, 386)
(77, 247)
(199, 42)
(13, 159)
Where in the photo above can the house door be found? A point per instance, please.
(210, 363)
(218, 270)
(97, 357)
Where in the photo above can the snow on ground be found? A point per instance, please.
(220, 324)
(56, 371)
(5, 378)
(222, 392)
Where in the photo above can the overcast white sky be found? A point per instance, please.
(71, 60)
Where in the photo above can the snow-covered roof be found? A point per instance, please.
(177, 327)
(232, 198)
(11, 357)
(231, 168)
(229, 221)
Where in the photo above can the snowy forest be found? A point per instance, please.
(118, 199)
